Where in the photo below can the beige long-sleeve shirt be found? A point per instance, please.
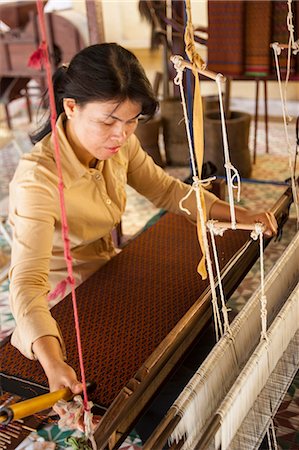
(95, 200)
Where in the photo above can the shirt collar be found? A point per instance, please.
(72, 168)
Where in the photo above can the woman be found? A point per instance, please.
(99, 99)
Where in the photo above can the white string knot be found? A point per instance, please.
(196, 186)
(264, 317)
(291, 29)
(258, 231)
(290, 22)
(227, 328)
(276, 47)
(178, 79)
(234, 179)
(219, 78)
(213, 228)
(295, 47)
(177, 61)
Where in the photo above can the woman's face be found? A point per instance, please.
(101, 128)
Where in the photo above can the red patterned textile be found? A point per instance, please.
(240, 34)
(130, 305)
(226, 36)
(258, 37)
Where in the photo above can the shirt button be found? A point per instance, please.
(98, 176)
(108, 201)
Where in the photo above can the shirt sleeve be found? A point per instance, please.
(32, 216)
(163, 190)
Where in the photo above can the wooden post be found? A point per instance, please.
(94, 12)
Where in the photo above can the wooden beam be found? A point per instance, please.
(94, 12)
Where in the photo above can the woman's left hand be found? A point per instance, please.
(267, 218)
(220, 210)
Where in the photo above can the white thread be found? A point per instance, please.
(273, 435)
(228, 166)
(217, 319)
(294, 44)
(178, 80)
(257, 233)
(219, 231)
(194, 186)
(277, 52)
(218, 373)
(197, 186)
(269, 439)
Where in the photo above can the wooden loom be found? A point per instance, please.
(234, 395)
(140, 313)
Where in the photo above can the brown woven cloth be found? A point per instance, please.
(129, 306)
(280, 34)
(258, 37)
(226, 44)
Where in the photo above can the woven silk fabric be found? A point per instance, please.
(280, 34)
(226, 36)
(130, 305)
(258, 37)
(240, 34)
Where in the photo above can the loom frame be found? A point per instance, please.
(129, 404)
(162, 432)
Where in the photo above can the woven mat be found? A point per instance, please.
(129, 306)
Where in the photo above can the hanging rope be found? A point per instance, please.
(215, 231)
(198, 133)
(256, 234)
(42, 54)
(293, 46)
(231, 172)
(201, 223)
(196, 150)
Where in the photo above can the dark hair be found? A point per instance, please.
(101, 72)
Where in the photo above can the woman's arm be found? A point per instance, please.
(48, 351)
(220, 210)
(166, 192)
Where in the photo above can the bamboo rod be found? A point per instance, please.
(239, 226)
(33, 405)
(182, 63)
(280, 45)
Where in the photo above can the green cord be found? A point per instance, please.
(78, 443)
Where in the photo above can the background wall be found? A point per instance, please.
(123, 24)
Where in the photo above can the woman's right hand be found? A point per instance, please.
(48, 351)
(61, 375)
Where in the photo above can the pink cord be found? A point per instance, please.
(42, 55)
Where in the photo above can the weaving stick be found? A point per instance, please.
(182, 63)
(34, 405)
